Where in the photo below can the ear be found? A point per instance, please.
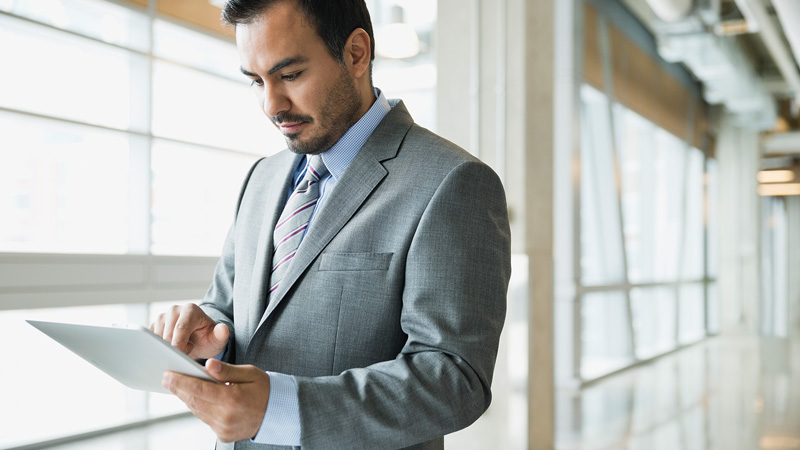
(357, 52)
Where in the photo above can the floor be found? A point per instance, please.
(733, 393)
(736, 393)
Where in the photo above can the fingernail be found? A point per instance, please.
(166, 380)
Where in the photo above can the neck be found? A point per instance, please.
(367, 94)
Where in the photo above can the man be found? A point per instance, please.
(367, 265)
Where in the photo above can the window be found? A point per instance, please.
(648, 286)
(121, 162)
(54, 196)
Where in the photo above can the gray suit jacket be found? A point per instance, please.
(390, 314)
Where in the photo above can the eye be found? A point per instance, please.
(291, 76)
(257, 82)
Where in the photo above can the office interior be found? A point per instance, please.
(650, 151)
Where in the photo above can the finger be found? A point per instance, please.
(221, 333)
(185, 325)
(170, 319)
(208, 412)
(158, 326)
(231, 373)
(185, 387)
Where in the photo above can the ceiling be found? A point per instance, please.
(739, 50)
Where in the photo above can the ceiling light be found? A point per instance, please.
(776, 190)
(396, 40)
(775, 176)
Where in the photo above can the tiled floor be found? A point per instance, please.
(733, 393)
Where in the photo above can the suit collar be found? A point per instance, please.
(275, 189)
(361, 178)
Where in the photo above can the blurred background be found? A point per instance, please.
(650, 151)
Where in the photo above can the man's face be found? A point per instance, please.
(301, 87)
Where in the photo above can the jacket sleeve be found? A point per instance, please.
(454, 303)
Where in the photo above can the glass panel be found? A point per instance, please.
(712, 180)
(194, 197)
(605, 336)
(652, 197)
(52, 73)
(414, 83)
(44, 406)
(412, 79)
(63, 188)
(196, 49)
(713, 309)
(692, 267)
(692, 313)
(601, 245)
(192, 106)
(604, 414)
(101, 20)
(653, 320)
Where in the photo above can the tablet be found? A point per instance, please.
(133, 355)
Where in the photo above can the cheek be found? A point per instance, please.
(307, 98)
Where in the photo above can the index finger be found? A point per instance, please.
(183, 329)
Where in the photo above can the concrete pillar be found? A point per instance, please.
(793, 252)
(739, 159)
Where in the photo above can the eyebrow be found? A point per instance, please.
(280, 65)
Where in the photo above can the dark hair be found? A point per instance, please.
(334, 20)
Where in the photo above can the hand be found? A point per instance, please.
(234, 409)
(190, 330)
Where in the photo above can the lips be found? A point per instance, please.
(290, 128)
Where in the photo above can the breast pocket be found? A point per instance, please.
(355, 262)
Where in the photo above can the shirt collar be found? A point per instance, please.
(338, 157)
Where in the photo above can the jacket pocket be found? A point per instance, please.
(355, 261)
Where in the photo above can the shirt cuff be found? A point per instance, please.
(221, 355)
(281, 424)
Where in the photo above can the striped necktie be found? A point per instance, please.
(293, 222)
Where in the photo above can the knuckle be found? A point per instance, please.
(196, 390)
(191, 403)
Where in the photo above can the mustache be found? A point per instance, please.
(291, 118)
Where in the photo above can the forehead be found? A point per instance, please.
(280, 32)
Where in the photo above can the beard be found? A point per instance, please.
(338, 113)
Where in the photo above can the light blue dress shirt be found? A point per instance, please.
(281, 424)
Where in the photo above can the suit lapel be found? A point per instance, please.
(360, 179)
(279, 182)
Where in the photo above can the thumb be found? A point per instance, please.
(230, 373)
(221, 333)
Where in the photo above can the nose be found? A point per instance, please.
(275, 101)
